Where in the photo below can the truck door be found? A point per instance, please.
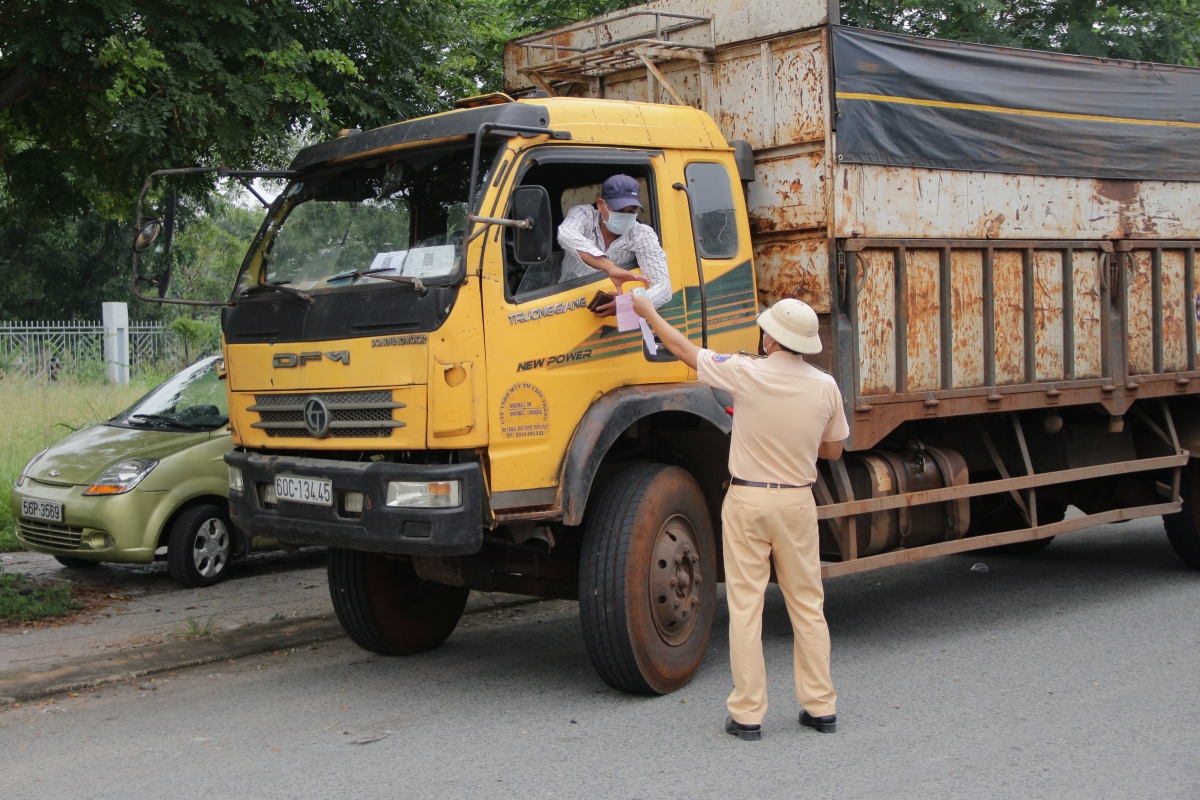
(549, 357)
(721, 298)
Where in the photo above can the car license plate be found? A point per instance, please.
(314, 491)
(42, 509)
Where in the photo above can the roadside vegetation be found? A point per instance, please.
(22, 601)
(36, 413)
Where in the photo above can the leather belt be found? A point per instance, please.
(761, 485)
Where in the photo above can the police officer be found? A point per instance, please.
(788, 414)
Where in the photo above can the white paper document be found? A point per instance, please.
(648, 335)
(627, 318)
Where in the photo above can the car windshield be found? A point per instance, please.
(194, 399)
(403, 216)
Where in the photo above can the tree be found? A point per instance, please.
(1166, 31)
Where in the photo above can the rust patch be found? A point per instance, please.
(1085, 267)
(992, 226)
(924, 320)
(799, 92)
(1174, 309)
(1007, 274)
(1140, 312)
(796, 268)
(875, 272)
(966, 310)
(1120, 191)
(788, 193)
(1048, 315)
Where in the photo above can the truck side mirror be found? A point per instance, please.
(146, 235)
(532, 245)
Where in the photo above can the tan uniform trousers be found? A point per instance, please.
(758, 525)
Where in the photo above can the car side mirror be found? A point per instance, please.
(532, 245)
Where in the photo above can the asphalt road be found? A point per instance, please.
(1069, 674)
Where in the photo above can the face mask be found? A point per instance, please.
(618, 223)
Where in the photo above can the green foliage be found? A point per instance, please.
(1166, 31)
(22, 601)
(194, 629)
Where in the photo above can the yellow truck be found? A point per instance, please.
(1002, 259)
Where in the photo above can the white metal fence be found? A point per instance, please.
(51, 349)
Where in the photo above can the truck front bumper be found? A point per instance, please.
(379, 528)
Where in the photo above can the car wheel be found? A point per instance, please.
(76, 563)
(200, 546)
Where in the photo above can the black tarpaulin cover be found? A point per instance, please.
(909, 101)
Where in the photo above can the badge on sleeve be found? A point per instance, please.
(721, 358)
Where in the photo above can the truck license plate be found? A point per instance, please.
(314, 491)
(42, 509)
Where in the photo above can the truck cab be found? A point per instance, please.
(413, 384)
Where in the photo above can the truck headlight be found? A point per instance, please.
(414, 494)
(235, 480)
(29, 466)
(122, 476)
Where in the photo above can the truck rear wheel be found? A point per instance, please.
(1183, 529)
(647, 580)
(385, 608)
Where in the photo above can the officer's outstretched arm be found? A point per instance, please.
(671, 338)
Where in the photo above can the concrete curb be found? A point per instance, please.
(85, 672)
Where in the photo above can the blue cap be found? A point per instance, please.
(621, 192)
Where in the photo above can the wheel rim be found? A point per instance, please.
(675, 583)
(210, 550)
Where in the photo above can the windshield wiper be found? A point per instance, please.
(278, 287)
(355, 273)
(163, 419)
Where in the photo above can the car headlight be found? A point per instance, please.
(236, 484)
(433, 494)
(29, 466)
(122, 476)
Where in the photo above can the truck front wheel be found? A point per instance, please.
(386, 608)
(647, 580)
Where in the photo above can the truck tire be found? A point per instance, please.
(987, 518)
(1183, 532)
(647, 580)
(200, 546)
(385, 608)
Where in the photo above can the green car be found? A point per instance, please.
(148, 484)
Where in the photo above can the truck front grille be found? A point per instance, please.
(353, 415)
(50, 534)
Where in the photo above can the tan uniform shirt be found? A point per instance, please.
(784, 408)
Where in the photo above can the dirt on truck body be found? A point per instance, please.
(1000, 246)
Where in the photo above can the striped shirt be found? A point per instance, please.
(637, 247)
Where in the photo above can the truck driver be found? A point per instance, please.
(608, 237)
(788, 414)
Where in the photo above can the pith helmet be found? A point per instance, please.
(793, 324)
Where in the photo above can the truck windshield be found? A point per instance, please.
(192, 400)
(403, 216)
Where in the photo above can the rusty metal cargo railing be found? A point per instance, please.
(1061, 323)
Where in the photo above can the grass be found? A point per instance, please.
(22, 601)
(36, 413)
(194, 629)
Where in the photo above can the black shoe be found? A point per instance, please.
(747, 733)
(825, 724)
